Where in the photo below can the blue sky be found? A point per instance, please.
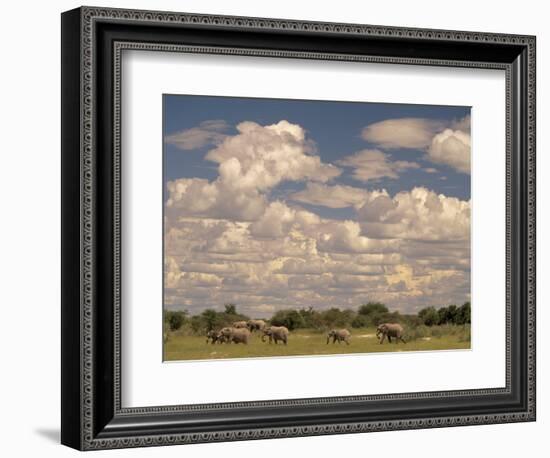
(346, 120)
(286, 203)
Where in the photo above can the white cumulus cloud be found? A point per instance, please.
(372, 165)
(261, 157)
(335, 196)
(230, 240)
(402, 132)
(419, 214)
(251, 163)
(208, 132)
(451, 147)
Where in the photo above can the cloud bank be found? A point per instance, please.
(448, 144)
(230, 240)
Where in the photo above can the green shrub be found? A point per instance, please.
(360, 321)
(336, 318)
(291, 319)
(312, 319)
(464, 313)
(418, 332)
(372, 308)
(175, 319)
(429, 316)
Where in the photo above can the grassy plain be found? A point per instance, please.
(307, 342)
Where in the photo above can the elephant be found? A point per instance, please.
(255, 325)
(276, 333)
(240, 324)
(215, 337)
(222, 339)
(212, 336)
(341, 335)
(390, 330)
(235, 335)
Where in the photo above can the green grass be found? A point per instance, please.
(303, 342)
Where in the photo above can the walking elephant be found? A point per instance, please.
(215, 337)
(212, 336)
(255, 325)
(235, 335)
(276, 334)
(240, 324)
(390, 330)
(340, 335)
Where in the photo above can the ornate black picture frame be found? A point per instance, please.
(92, 42)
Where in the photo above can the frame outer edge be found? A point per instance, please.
(531, 226)
(71, 306)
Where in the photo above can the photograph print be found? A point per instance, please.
(307, 227)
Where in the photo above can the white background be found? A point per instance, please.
(29, 242)
(148, 75)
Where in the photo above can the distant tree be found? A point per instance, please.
(442, 314)
(429, 316)
(372, 308)
(452, 312)
(197, 324)
(230, 309)
(291, 319)
(211, 319)
(334, 317)
(312, 318)
(448, 315)
(463, 315)
(360, 321)
(175, 319)
(373, 312)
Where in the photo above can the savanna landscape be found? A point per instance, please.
(310, 227)
(431, 329)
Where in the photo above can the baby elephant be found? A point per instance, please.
(212, 336)
(235, 335)
(342, 335)
(390, 330)
(215, 337)
(276, 333)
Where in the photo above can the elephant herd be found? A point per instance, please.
(241, 331)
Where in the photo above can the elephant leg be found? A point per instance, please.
(382, 339)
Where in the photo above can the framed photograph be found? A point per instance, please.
(276, 228)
